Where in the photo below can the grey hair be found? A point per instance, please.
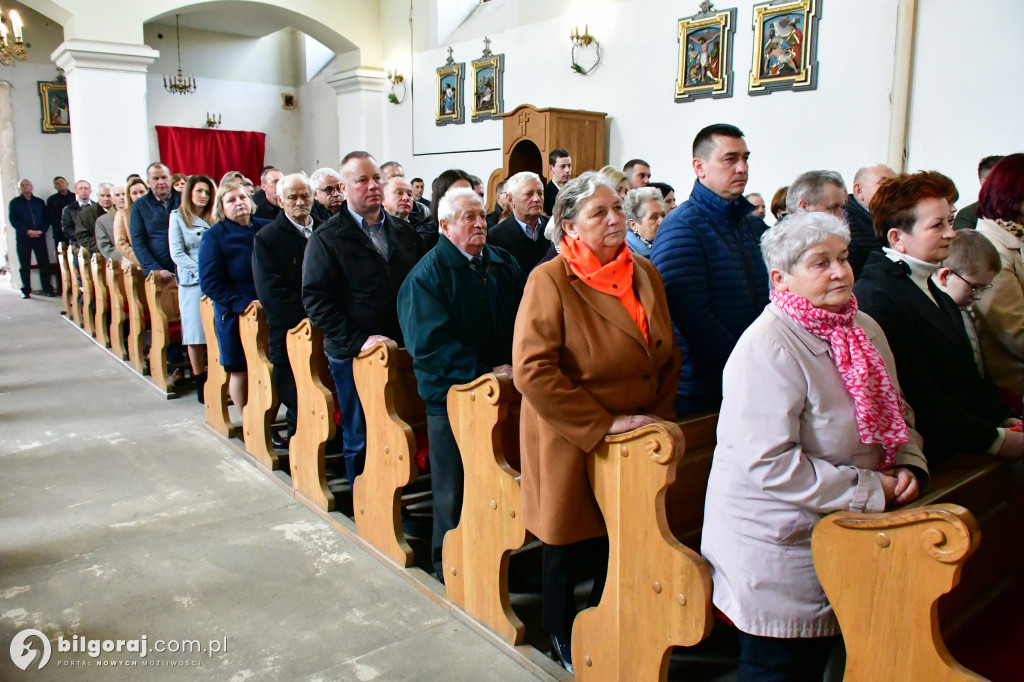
(104, 186)
(321, 173)
(784, 244)
(809, 186)
(570, 199)
(446, 209)
(513, 184)
(290, 178)
(635, 203)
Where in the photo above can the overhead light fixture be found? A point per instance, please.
(11, 46)
(179, 84)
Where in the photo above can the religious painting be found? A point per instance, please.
(705, 54)
(488, 73)
(450, 80)
(785, 46)
(54, 107)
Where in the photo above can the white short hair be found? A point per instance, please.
(784, 244)
(513, 184)
(104, 186)
(810, 186)
(285, 179)
(321, 173)
(446, 208)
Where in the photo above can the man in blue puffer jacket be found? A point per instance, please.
(709, 257)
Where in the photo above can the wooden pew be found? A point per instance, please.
(134, 292)
(162, 302)
(387, 390)
(484, 419)
(262, 404)
(884, 574)
(658, 591)
(685, 499)
(65, 278)
(84, 263)
(71, 259)
(216, 394)
(314, 426)
(115, 286)
(101, 299)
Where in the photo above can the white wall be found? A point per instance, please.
(318, 111)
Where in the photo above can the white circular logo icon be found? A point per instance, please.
(23, 655)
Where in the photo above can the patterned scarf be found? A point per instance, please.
(877, 404)
(615, 278)
(1014, 228)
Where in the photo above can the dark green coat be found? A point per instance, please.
(457, 326)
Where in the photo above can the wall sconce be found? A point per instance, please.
(586, 50)
(397, 80)
(212, 120)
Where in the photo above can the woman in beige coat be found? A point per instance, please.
(593, 354)
(1001, 310)
(811, 422)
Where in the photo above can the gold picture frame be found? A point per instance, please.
(704, 68)
(54, 111)
(450, 82)
(488, 86)
(785, 46)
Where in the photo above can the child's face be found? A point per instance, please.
(965, 288)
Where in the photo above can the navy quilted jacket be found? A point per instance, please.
(708, 254)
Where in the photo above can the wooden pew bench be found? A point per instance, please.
(134, 290)
(216, 393)
(162, 303)
(101, 299)
(314, 426)
(65, 278)
(84, 264)
(75, 293)
(262, 404)
(118, 309)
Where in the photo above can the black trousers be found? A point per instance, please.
(446, 480)
(772, 659)
(562, 567)
(37, 246)
(284, 382)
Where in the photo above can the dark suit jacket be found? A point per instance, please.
(957, 411)
(862, 234)
(550, 193)
(277, 255)
(509, 235)
(966, 217)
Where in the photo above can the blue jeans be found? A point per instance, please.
(353, 423)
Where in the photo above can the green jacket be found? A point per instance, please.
(457, 325)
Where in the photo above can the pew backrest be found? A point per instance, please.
(118, 303)
(215, 395)
(101, 298)
(261, 406)
(314, 424)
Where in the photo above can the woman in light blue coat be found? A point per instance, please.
(187, 225)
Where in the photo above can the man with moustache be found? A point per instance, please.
(149, 222)
(457, 309)
(559, 173)
(708, 254)
(522, 233)
(354, 265)
(398, 197)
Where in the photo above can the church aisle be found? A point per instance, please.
(121, 517)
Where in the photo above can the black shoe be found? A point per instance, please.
(280, 441)
(561, 653)
(200, 380)
(25, 294)
(52, 294)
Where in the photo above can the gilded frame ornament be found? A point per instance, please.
(487, 95)
(53, 103)
(451, 79)
(785, 46)
(704, 67)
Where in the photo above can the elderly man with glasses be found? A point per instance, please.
(328, 194)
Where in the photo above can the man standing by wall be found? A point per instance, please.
(559, 173)
(27, 215)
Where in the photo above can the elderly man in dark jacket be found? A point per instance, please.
(709, 258)
(354, 266)
(27, 214)
(457, 309)
(151, 216)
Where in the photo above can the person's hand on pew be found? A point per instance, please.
(372, 341)
(1013, 442)
(628, 422)
(165, 275)
(900, 486)
(503, 369)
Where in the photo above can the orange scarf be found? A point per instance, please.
(615, 278)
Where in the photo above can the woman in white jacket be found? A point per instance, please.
(811, 422)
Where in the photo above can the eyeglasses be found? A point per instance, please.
(976, 289)
(330, 189)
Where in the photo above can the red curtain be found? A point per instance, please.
(212, 152)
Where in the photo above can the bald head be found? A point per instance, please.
(867, 180)
(398, 197)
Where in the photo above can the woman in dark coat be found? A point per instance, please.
(225, 275)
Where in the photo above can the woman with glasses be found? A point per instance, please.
(958, 410)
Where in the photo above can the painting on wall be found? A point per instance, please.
(785, 46)
(450, 81)
(705, 54)
(53, 100)
(488, 76)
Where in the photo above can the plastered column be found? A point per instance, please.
(9, 188)
(360, 110)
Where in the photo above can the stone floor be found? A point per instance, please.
(122, 517)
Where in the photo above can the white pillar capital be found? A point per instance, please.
(102, 56)
(359, 79)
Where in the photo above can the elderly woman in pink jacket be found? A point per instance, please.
(812, 422)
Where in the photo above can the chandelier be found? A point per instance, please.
(179, 84)
(11, 46)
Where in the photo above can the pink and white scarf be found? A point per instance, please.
(877, 403)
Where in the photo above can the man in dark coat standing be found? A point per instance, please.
(55, 204)
(277, 255)
(150, 220)
(457, 309)
(862, 230)
(708, 254)
(354, 266)
(522, 233)
(559, 173)
(27, 215)
(268, 206)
